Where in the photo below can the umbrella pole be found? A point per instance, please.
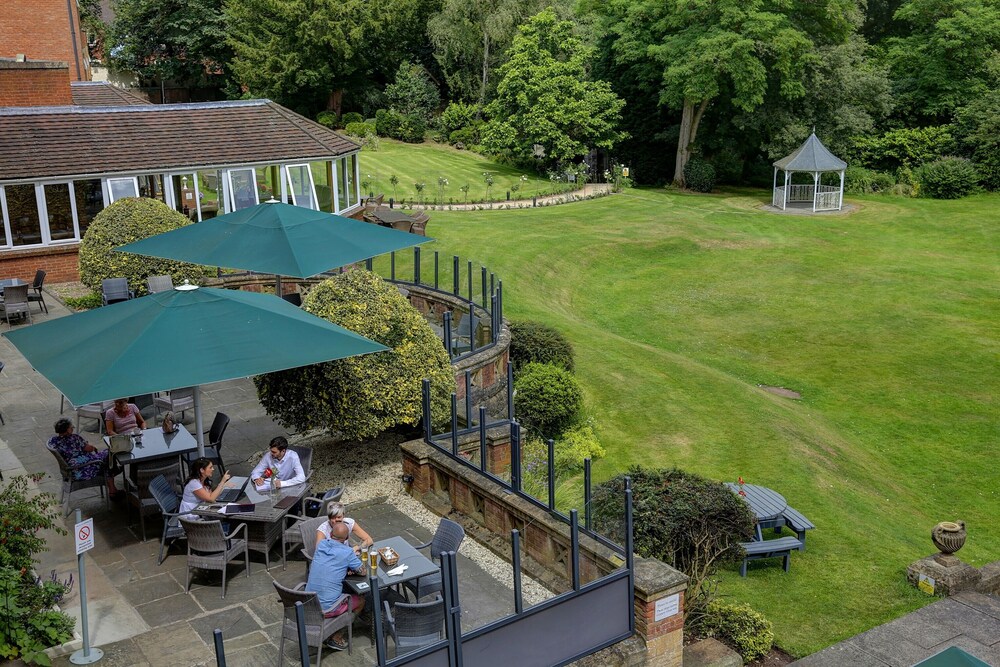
(199, 424)
(277, 286)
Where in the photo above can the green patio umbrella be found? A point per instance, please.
(952, 657)
(276, 238)
(183, 337)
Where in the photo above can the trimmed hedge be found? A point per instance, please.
(949, 178)
(699, 175)
(536, 342)
(361, 397)
(547, 399)
(739, 625)
(125, 221)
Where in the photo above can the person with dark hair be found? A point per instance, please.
(76, 450)
(279, 467)
(124, 417)
(199, 487)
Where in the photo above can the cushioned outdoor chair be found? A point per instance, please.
(169, 502)
(137, 490)
(159, 284)
(69, 485)
(300, 530)
(15, 302)
(36, 293)
(178, 400)
(419, 227)
(318, 628)
(305, 458)
(114, 290)
(94, 411)
(211, 549)
(415, 625)
(448, 537)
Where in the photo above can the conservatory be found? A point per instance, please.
(813, 158)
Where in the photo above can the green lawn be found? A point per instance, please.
(885, 320)
(425, 163)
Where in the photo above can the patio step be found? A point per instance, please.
(711, 653)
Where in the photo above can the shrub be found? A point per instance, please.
(739, 625)
(861, 181)
(387, 123)
(948, 178)
(351, 117)
(125, 221)
(977, 130)
(362, 396)
(537, 342)
(883, 182)
(908, 147)
(571, 449)
(467, 136)
(359, 128)
(547, 398)
(699, 175)
(457, 116)
(327, 119)
(29, 624)
(92, 300)
(412, 128)
(413, 92)
(689, 522)
(577, 444)
(25, 516)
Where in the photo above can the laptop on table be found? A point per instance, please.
(233, 494)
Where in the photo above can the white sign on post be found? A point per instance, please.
(84, 534)
(666, 607)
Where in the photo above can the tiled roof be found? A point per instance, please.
(103, 94)
(38, 142)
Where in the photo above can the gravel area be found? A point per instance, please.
(371, 470)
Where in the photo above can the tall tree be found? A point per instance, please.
(950, 56)
(178, 40)
(706, 46)
(470, 38)
(544, 97)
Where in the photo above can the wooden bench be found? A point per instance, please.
(798, 523)
(783, 547)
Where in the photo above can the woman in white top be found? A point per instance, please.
(198, 488)
(335, 516)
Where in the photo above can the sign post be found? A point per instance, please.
(83, 534)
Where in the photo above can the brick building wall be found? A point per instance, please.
(60, 262)
(45, 30)
(34, 83)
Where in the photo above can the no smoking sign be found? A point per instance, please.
(84, 534)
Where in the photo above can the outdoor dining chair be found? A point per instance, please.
(448, 537)
(94, 411)
(159, 284)
(415, 625)
(169, 503)
(138, 492)
(211, 549)
(305, 458)
(300, 530)
(15, 302)
(318, 628)
(36, 293)
(69, 484)
(114, 290)
(419, 227)
(213, 449)
(178, 400)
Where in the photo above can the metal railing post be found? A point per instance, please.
(510, 390)
(454, 424)
(515, 456)
(377, 617)
(574, 536)
(485, 294)
(587, 512)
(629, 557)
(392, 266)
(552, 473)
(300, 623)
(455, 277)
(369, 263)
(515, 562)
(416, 265)
(436, 275)
(468, 399)
(220, 649)
(447, 333)
(425, 388)
(453, 608)
(482, 438)
(469, 280)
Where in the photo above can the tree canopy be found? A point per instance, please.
(545, 97)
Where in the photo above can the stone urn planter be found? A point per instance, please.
(948, 536)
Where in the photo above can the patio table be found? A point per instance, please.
(390, 217)
(766, 504)
(418, 565)
(155, 444)
(10, 282)
(264, 524)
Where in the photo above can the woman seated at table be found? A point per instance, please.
(75, 451)
(336, 516)
(199, 489)
(124, 417)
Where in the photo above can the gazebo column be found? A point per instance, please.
(840, 201)
(784, 199)
(815, 189)
(774, 186)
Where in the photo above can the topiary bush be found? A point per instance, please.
(327, 119)
(351, 117)
(699, 175)
(691, 523)
(547, 399)
(361, 397)
(738, 625)
(536, 342)
(948, 178)
(125, 221)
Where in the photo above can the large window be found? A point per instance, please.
(300, 185)
(59, 209)
(22, 212)
(210, 193)
(89, 202)
(183, 195)
(324, 188)
(352, 185)
(242, 188)
(341, 184)
(151, 186)
(120, 188)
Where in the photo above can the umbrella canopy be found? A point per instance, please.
(183, 337)
(276, 238)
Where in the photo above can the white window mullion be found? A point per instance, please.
(6, 217)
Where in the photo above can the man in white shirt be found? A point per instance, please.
(284, 460)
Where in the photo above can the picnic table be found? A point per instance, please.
(772, 511)
(766, 504)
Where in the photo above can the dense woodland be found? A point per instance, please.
(898, 88)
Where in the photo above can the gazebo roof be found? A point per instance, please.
(812, 155)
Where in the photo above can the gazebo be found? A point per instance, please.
(814, 158)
